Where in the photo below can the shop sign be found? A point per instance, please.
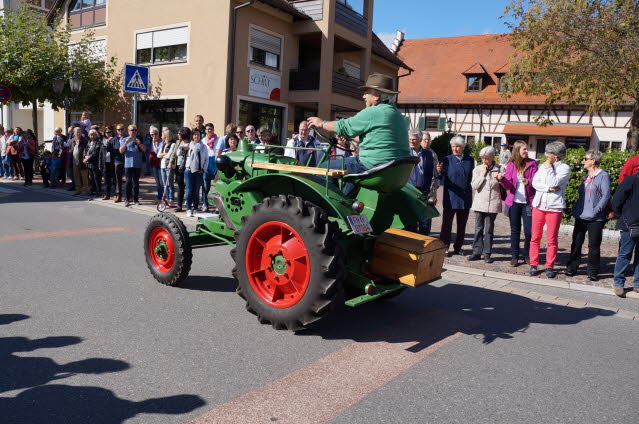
(264, 84)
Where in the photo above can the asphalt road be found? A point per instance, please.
(88, 336)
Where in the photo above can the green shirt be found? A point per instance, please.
(382, 134)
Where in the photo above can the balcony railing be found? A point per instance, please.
(313, 8)
(348, 86)
(303, 80)
(351, 19)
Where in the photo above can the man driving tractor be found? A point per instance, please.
(381, 128)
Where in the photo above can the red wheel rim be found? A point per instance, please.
(277, 264)
(161, 249)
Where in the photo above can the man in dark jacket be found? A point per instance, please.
(625, 204)
(422, 177)
(118, 160)
(456, 172)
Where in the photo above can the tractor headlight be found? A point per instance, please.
(358, 206)
(432, 200)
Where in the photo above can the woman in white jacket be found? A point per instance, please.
(550, 182)
(486, 203)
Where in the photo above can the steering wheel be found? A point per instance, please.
(332, 142)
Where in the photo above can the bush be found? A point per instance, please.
(612, 161)
(440, 145)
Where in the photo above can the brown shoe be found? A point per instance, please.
(118, 199)
(619, 291)
(514, 262)
(106, 198)
(636, 290)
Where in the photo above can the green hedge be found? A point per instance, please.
(611, 162)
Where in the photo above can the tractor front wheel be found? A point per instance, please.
(288, 264)
(167, 249)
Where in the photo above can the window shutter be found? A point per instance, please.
(144, 41)
(267, 42)
(407, 120)
(421, 123)
(441, 124)
(171, 37)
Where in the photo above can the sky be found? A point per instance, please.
(437, 18)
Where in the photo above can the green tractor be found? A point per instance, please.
(299, 244)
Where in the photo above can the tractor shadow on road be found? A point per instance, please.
(208, 283)
(425, 316)
(57, 403)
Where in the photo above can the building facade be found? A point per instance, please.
(460, 79)
(266, 62)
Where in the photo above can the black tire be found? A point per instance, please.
(326, 262)
(182, 252)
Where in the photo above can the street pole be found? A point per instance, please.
(135, 109)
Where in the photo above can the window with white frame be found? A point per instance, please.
(604, 146)
(432, 122)
(84, 13)
(266, 49)
(493, 141)
(162, 46)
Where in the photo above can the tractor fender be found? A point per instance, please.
(310, 188)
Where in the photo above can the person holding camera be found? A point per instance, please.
(486, 203)
(132, 149)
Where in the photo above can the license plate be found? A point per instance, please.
(360, 224)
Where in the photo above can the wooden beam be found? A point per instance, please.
(297, 169)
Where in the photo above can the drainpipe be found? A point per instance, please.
(230, 79)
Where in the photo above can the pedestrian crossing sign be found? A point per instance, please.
(136, 79)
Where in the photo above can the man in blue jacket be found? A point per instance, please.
(455, 172)
(422, 177)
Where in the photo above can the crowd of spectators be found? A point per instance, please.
(97, 161)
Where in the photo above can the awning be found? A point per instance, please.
(556, 130)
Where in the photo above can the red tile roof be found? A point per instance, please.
(553, 130)
(475, 69)
(440, 64)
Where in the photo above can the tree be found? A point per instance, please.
(583, 52)
(32, 54)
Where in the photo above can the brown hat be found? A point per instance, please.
(380, 82)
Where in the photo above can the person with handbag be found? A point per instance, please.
(486, 203)
(625, 205)
(517, 182)
(590, 212)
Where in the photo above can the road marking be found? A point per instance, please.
(321, 390)
(61, 233)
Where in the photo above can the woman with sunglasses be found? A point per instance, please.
(590, 212)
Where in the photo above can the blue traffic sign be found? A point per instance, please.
(136, 79)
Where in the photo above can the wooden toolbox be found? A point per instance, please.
(410, 258)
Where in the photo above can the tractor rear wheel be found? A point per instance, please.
(288, 264)
(167, 249)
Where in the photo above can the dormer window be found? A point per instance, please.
(475, 78)
(501, 83)
(473, 83)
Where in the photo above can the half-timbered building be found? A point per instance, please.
(457, 82)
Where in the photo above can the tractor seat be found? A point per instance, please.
(387, 177)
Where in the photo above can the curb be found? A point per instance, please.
(561, 284)
(145, 210)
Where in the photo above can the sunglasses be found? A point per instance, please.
(250, 130)
(120, 129)
(239, 132)
(133, 130)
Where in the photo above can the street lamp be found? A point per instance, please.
(449, 124)
(75, 83)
